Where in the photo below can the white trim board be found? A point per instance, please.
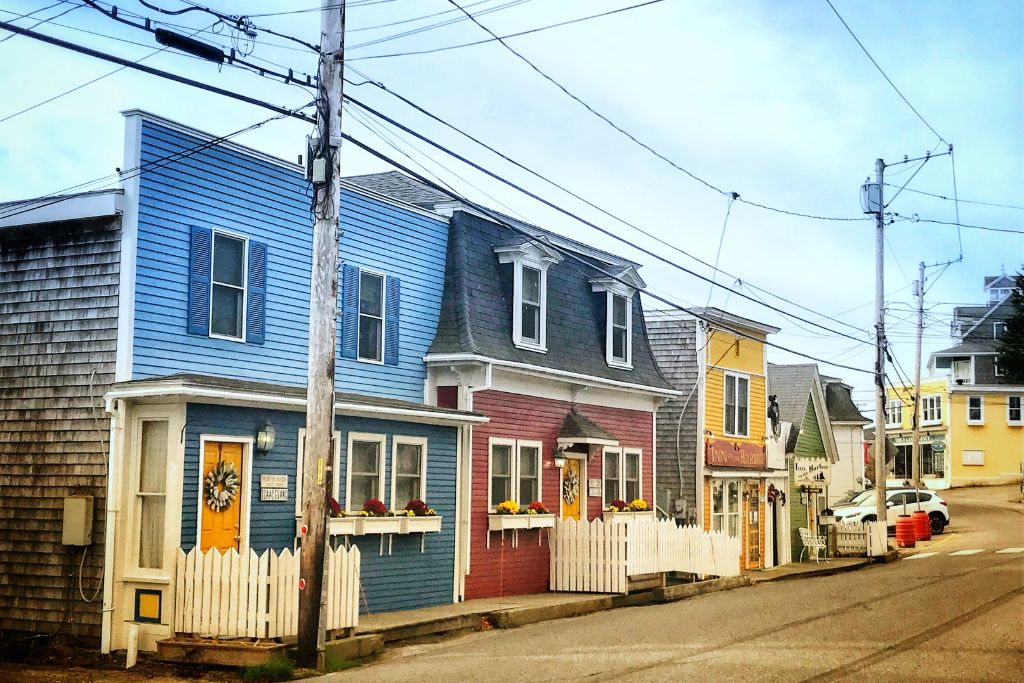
(77, 207)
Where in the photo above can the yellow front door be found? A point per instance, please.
(221, 528)
(571, 489)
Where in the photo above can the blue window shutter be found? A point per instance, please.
(256, 306)
(392, 311)
(199, 281)
(349, 311)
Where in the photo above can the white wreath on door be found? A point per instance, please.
(221, 486)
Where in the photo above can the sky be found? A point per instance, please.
(772, 100)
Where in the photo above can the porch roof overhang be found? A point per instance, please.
(579, 429)
(189, 388)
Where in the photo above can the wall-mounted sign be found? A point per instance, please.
(724, 453)
(812, 472)
(273, 487)
(594, 488)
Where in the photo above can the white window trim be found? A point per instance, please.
(996, 328)
(925, 400)
(726, 512)
(620, 454)
(245, 281)
(516, 445)
(981, 419)
(300, 454)
(995, 368)
(746, 432)
(244, 493)
(517, 305)
(626, 364)
(136, 495)
(969, 379)
(383, 315)
(898, 405)
(1020, 407)
(380, 439)
(420, 441)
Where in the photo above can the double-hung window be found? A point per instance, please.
(737, 405)
(408, 471)
(515, 472)
(365, 479)
(531, 306)
(152, 492)
(227, 286)
(529, 264)
(931, 410)
(975, 410)
(1013, 411)
(725, 506)
(371, 316)
(621, 475)
(894, 413)
(619, 331)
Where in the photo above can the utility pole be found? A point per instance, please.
(880, 402)
(318, 452)
(917, 461)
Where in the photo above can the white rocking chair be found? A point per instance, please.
(812, 543)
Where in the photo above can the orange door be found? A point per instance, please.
(571, 489)
(221, 529)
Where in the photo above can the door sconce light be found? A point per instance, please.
(265, 438)
(559, 459)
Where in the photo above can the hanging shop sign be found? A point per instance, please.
(938, 446)
(813, 472)
(723, 453)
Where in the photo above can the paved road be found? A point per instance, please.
(941, 617)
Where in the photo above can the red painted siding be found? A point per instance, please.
(503, 570)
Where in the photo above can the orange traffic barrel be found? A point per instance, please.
(905, 536)
(922, 526)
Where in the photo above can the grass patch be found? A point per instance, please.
(272, 670)
(332, 664)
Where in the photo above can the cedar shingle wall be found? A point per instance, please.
(58, 331)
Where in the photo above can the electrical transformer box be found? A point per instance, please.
(77, 520)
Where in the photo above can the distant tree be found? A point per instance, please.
(1010, 345)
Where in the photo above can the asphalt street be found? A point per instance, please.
(949, 614)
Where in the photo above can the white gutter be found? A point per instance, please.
(183, 390)
(116, 434)
(451, 358)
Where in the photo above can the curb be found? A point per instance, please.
(823, 571)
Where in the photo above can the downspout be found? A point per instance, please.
(113, 473)
(466, 497)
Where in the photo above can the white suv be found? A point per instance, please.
(862, 508)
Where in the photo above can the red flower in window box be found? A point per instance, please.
(537, 508)
(374, 508)
(417, 507)
(618, 505)
(334, 508)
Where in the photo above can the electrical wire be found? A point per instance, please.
(916, 219)
(573, 256)
(431, 27)
(961, 201)
(586, 201)
(412, 20)
(41, 21)
(881, 71)
(632, 137)
(574, 216)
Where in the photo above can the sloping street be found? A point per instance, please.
(948, 614)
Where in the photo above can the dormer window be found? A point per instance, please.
(530, 261)
(620, 323)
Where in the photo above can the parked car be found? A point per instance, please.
(862, 508)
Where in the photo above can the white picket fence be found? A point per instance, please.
(851, 539)
(599, 557)
(246, 595)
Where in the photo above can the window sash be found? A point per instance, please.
(631, 476)
(931, 409)
(501, 478)
(1013, 409)
(975, 409)
(370, 344)
(612, 476)
(221, 289)
(530, 281)
(151, 492)
(530, 331)
(737, 405)
(409, 474)
(529, 474)
(364, 478)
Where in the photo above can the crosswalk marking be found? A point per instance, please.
(960, 553)
(1008, 551)
(921, 556)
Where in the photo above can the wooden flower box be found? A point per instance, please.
(420, 525)
(378, 525)
(626, 517)
(341, 526)
(504, 522)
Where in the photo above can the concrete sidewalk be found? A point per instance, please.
(796, 570)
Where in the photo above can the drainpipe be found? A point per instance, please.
(113, 472)
(466, 485)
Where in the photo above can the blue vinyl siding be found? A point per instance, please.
(406, 579)
(224, 188)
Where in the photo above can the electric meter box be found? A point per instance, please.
(77, 520)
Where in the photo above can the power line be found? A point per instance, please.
(501, 221)
(576, 217)
(961, 201)
(74, 47)
(916, 219)
(431, 27)
(881, 71)
(629, 135)
(41, 21)
(411, 20)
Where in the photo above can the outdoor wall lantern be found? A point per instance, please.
(559, 459)
(265, 438)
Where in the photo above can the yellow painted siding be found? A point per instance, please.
(929, 387)
(726, 350)
(1001, 443)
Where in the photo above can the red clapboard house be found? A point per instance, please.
(555, 353)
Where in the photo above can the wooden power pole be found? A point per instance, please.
(325, 158)
(915, 449)
(880, 402)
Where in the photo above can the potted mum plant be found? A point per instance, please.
(418, 517)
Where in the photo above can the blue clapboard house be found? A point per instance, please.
(213, 305)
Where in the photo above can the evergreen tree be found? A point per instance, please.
(1010, 345)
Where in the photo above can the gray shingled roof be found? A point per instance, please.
(579, 426)
(476, 311)
(839, 402)
(791, 385)
(967, 348)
